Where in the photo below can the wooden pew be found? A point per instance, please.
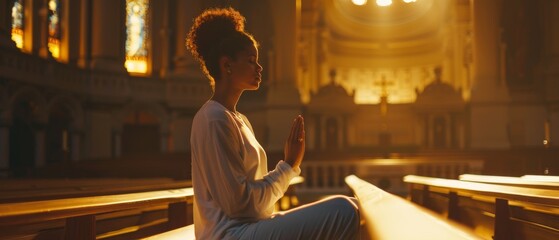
(390, 217)
(183, 233)
(494, 211)
(92, 187)
(187, 232)
(49, 183)
(80, 214)
(541, 178)
(510, 181)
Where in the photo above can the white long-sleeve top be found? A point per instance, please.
(232, 185)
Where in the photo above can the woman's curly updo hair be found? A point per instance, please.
(215, 33)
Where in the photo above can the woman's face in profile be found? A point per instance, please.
(246, 72)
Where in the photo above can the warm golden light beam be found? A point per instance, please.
(384, 3)
(136, 64)
(359, 2)
(54, 47)
(17, 37)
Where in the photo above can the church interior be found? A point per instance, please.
(105, 89)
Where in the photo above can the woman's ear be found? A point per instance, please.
(225, 65)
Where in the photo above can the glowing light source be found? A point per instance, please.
(17, 23)
(54, 28)
(384, 3)
(409, 1)
(137, 36)
(359, 2)
(136, 64)
(54, 47)
(17, 37)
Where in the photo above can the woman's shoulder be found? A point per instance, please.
(212, 111)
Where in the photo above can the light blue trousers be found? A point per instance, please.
(332, 218)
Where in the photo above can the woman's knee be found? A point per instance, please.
(346, 205)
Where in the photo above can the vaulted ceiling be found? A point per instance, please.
(399, 35)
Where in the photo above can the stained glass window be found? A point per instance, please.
(17, 23)
(54, 27)
(137, 35)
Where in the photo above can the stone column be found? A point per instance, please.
(165, 36)
(489, 97)
(117, 143)
(32, 30)
(70, 40)
(85, 34)
(40, 146)
(164, 142)
(551, 69)
(284, 101)
(4, 146)
(164, 132)
(6, 25)
(75, 139)
(43, 44)
(184, 65)
(108, 35)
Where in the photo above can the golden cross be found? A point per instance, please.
(383, 84)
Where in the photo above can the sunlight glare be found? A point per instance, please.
(136, 64)
(359, 2)
(17, 37)
(384, 3)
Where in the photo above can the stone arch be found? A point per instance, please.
(64, 123)
(32, 95)
(25, 114)
(73, 105)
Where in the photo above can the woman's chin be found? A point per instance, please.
(255, 85)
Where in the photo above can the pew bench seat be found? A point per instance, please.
(390, 217)
(183, 233)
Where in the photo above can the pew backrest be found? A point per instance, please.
(103, 187)
(79, 213)
(542, 178)
(494, 211)
(510, 181)
(390, 217)
(511, 193)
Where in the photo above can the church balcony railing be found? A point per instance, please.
(327, 177)
(98, 85)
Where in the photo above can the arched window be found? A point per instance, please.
(137, 36)
(54, 28)
(17, 23)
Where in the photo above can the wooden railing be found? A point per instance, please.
(390, 217)
(494, 211)
(328, 176)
